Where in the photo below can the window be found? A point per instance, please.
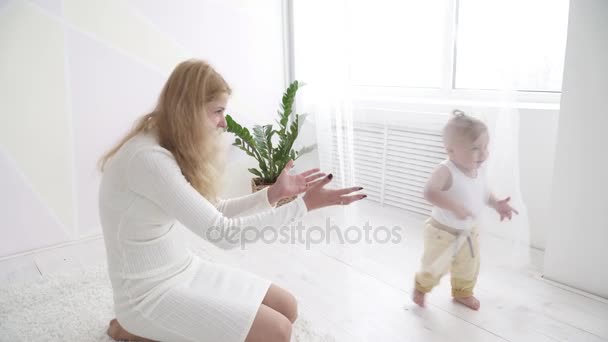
(516, 44)
(444, 45)
(398, 43)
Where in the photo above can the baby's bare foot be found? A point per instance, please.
(418, 298)
(470, 302)
(118, 333)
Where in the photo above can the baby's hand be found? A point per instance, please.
(504, 209)
(462, 213)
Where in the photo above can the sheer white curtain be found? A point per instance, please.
(326, 56)
(502, 119)
(322, 60)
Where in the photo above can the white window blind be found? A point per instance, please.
(392, 161)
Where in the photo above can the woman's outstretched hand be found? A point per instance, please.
(318, 197)
(288, 185)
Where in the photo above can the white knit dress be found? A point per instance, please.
(161, 290)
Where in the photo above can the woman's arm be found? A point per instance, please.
(257, 201)
(286, 186)
(154, 174)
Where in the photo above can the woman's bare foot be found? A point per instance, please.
(470, 302)
(118, 333)
(418, 298)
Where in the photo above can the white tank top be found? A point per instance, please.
(473, 193)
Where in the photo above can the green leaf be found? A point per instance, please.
(306, 149)
(246, 142)
(272, 148)
(256, 172)
(287, 106)
(302, 119)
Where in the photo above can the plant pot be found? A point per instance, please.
(257, 184)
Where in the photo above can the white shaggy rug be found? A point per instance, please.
(77, 306)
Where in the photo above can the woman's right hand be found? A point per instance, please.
(318, 197)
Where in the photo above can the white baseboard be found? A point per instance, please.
(574, 290)
(82, 239)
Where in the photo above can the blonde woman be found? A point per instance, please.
(166, 170)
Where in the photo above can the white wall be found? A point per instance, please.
(537, 137)
(74, 74)
(71, 83)
(577, 251)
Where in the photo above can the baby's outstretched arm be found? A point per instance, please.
(502, 207)
(434, 192)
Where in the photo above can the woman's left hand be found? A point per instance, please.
(288, 185)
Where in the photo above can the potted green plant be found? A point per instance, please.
(271, 148)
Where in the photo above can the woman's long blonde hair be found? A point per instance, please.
(180, 122)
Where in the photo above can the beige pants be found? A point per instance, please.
(464, 267)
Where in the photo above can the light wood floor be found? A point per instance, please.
(361, 292)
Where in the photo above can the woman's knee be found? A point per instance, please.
(283, 330)
(270, 326)
(283, 302)
(291, 308)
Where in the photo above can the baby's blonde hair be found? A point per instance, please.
(462, 127)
